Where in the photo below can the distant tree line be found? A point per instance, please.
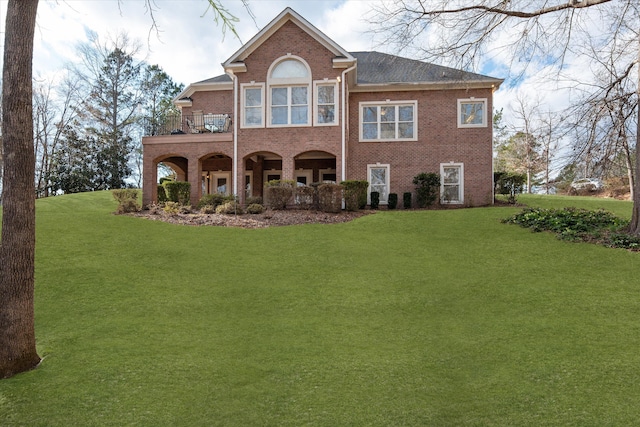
(88, 120)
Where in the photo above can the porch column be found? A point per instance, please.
(149, 180)
(288, 168)
(195, 178)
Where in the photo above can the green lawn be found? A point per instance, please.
(420, 318)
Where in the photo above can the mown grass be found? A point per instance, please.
(443, 318)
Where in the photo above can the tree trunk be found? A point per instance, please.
(634, 226)
(17, 247)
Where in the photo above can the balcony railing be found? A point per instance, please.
(178, 124)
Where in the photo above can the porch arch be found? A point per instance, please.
(314, 166)
(216, 171)
(259, 167)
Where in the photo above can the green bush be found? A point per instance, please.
(330, 197)
(162, 195)
(427, 188)
(178, 191)
(279, 193)
(375, 199)
(510, 184)
(230, 208)
(213, 200)
(254, 208)
(127, 200)
(406, 200)
(392, 203)
(171, 207)
(355, 194)
(581, 225)
(253, 200)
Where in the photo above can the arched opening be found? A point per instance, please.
(260, 168)
(314, 166)
(216, 174)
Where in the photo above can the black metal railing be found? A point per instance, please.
(178, 124)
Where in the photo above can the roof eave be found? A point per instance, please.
(493, 84)
(200, 87)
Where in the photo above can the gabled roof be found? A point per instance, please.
(375, 68)
(285, 16)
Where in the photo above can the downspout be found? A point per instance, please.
(234, 168)
(343, 170)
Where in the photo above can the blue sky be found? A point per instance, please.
(189, 45)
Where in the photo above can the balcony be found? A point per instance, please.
(178, 124)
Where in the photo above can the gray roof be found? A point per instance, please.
(381, 68)
(224, 78)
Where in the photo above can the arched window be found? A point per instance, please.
(289, 92)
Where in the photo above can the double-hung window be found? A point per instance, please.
(472, 113)
(388, 121)
(326, 103)
(452, 183)
(253, 105)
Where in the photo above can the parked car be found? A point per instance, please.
(589, 184)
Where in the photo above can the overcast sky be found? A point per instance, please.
(189, 45)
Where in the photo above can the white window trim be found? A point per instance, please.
(461, 183)
(472, 101)
(388, 103)
(288, 83)
(316, 107)
(387, 181)
(243, 87)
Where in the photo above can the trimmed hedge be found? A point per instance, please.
(178, 191)
(406, 200)
(330, 198)
(278, 193)
(355, 194)
(392, 203)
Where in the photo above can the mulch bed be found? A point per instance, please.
(270, 218)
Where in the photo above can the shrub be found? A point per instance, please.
(178, 191)
(406, 200)
(582, 225)
(230, 208)
(254, 208)
(304, 197)
(127, 200)
(253, 200)
(355, 194)
(330, 197)
(278, 193)
(375, 199)
(162, 195)
(213, 200)
(171, 208)
(392, 203)
(208, 209)
(510, 184)
(427, 188)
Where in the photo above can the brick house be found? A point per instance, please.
(292, 104)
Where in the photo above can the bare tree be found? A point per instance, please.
(54, 110)
(467, 32)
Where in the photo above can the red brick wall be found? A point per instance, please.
(439, 141)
